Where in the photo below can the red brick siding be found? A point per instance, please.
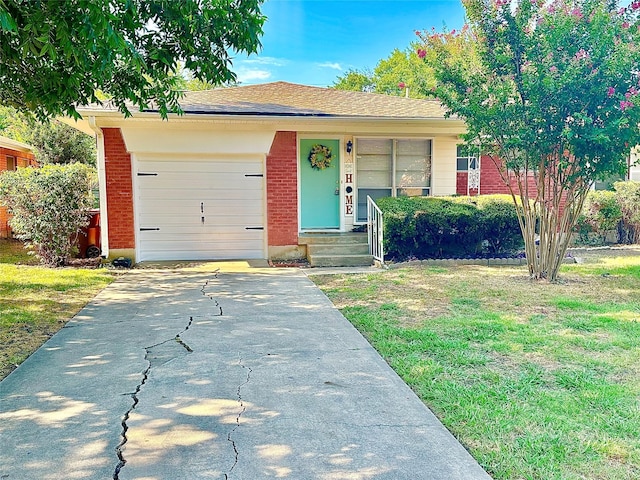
(282, 190)
(491, 182)
(461, 183)
(23, 159)
(119, 188)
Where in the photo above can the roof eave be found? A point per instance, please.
(11, 144)
(259, 115)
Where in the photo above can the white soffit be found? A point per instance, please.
(192, 139)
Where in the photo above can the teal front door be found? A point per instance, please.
(320, 187)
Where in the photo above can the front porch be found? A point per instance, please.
(336, 249)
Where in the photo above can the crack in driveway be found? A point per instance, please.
(243, 409)
(155, 358)
(152, 360)
(210, 296)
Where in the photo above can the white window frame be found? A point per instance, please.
(394, 185)
(469, 159)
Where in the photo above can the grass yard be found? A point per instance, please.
(35, 302)
(537, 380)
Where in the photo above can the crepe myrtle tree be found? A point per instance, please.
(550, 93)
(56, 54)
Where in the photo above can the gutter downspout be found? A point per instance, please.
(102, 186)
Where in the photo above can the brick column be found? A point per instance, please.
(282, 192)
(119, 190)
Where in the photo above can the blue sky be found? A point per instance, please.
(314, 41)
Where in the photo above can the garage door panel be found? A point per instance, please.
(208, 209)
(173, 196)
(199, 181)
(199, 254)
(200, 248)
(209, 197)
(205, 243)
(199, 166)
(213, 224)
(200, 242)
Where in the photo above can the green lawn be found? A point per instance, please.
(35, 302)
(537, 380)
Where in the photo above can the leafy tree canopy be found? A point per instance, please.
(402, 70)
(58, 143)
(56, 54)
(550, 90)
(53, 141)
(15, 124)
(356, 81)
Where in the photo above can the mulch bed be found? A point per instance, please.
(84, 262)
(300, 263)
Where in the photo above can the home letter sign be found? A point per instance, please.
(348, 189)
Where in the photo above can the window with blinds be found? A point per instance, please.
(391, 167)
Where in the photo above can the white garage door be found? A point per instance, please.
(200, 209)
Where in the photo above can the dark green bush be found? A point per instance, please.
(628, 198)
(601, 214)
(428, 227)
(607, 212)
(502, 233)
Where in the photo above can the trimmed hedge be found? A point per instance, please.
(628, 198)
(450, 227)
(607, 214)
(600, 215)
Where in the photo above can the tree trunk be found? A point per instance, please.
(548, 214)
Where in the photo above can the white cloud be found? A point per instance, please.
(273, 61)
(333, 65)
(248, 74)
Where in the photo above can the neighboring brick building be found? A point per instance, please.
(13, 155)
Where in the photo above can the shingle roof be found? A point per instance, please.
(288, 99)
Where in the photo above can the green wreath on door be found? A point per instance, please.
(320, 157)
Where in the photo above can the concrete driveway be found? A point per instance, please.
(244, 373)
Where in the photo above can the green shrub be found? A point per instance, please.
(502, 232)
(49, 206)
(628, 196)
(448, 229)
(601, 214)
(428, 227)
(399, 223)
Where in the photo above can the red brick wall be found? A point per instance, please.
(461, 183)
(282, 190)
(23, 159)
(491, 182)
(119, 189)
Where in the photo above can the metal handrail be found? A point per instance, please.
(375, 227)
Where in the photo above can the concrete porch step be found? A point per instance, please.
(332, 238)
(340, 260)
(336, 249)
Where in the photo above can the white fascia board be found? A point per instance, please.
(308, 124)
(15, 145)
